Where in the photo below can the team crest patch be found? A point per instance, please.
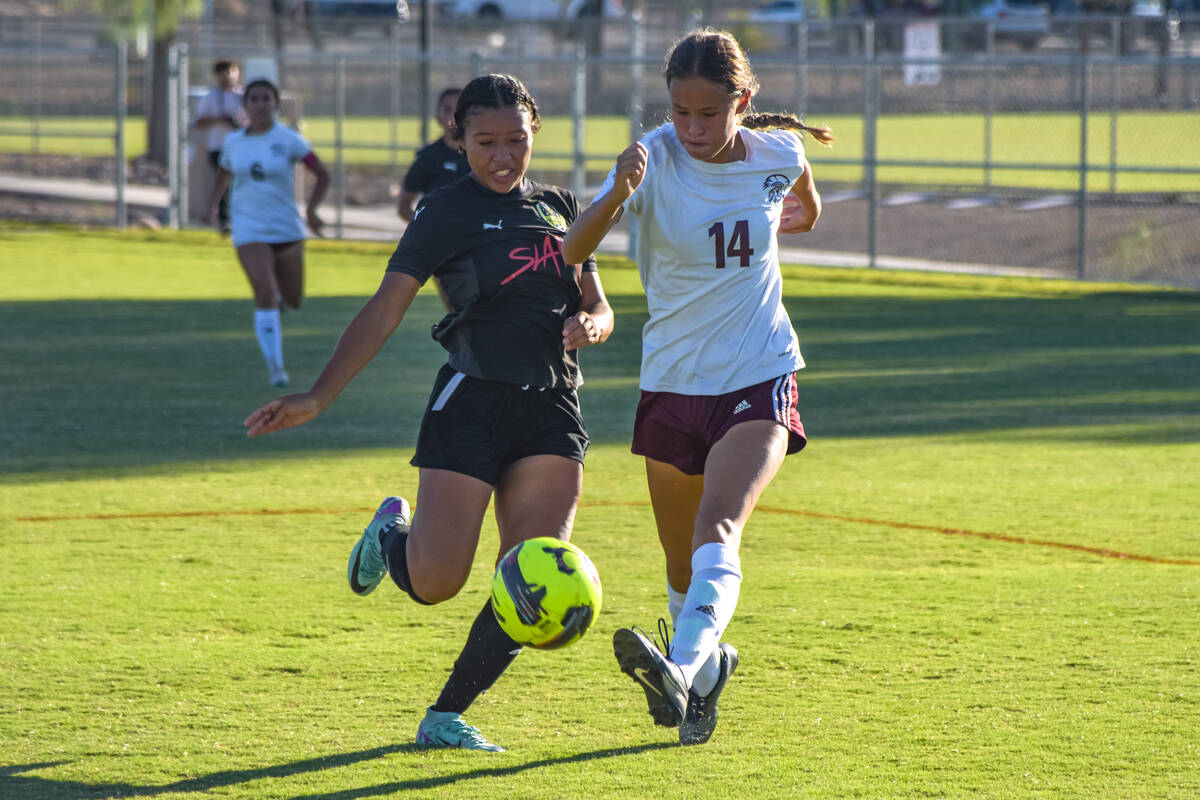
(277, 149)
(550, 216)
(776, 186)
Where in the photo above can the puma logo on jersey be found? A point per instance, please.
(740, 407)
(493, 226)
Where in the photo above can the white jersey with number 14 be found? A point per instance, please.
(709, 261)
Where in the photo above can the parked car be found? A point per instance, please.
(1141, 24)
(780, 11)
(1026, 22)
(391, 10)
(532, 9)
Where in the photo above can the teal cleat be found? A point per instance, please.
(700, 719)
(447, 729)
(367, 568)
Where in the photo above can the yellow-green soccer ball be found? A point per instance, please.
(546, 593)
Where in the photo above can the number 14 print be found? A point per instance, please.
(739, 243)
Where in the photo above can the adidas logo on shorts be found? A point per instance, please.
(740, 407)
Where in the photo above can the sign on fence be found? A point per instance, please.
(922, 40)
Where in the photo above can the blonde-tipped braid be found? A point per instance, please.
(788, 122)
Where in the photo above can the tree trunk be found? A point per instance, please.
(157, 105)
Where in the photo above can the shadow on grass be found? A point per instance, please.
(138, 384)
(14, 783)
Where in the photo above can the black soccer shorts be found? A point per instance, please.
(478, 427)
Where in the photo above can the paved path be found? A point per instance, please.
(380, 223)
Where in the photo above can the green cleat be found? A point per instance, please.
(367, 568)
(701, 716)
(447, 729)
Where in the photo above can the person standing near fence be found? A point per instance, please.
(219, 113)
(436, 164)
(268, 232)
(503, 419)
(710, 189)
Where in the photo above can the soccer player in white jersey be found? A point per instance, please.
(711, 189)
(268, 232)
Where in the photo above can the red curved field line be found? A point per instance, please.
(912, 526)
(995, 537)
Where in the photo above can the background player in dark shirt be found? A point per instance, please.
(503, 417)
(436, 164)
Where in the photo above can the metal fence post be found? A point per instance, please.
(173, 136)
(801, 64)
(990, 110)
(637, 108)
(394, 107)
(1085, 99)
(870, 118)
(637, 76)
(122, 79)
(37, 86)
(1113, 120)
(339, 114)
(578, 116)
(184, 158)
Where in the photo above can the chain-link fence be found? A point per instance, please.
(1048, 163)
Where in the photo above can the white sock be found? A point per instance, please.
(270, 336)
(674, 604)
(707, 675)
(710, 670)
(711, 600)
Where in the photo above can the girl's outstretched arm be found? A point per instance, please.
(359, 343)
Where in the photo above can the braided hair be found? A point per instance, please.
(494, 91)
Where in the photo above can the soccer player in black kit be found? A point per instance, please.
(438, 163)
(503, 418)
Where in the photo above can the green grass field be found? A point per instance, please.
(980, 580)
(1144, 141)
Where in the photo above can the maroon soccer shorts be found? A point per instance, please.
(680, 429)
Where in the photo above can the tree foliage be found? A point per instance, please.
(126, 17)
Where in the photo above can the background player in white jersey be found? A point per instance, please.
(711, 189)
(503, 421)
(268, 232)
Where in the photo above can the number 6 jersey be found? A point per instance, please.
(709, 262)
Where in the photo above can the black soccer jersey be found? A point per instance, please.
(435, 165)
(499, 260)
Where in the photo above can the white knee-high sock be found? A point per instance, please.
(711, 600)
(270, 336)
(674, 604)
(710, 670)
